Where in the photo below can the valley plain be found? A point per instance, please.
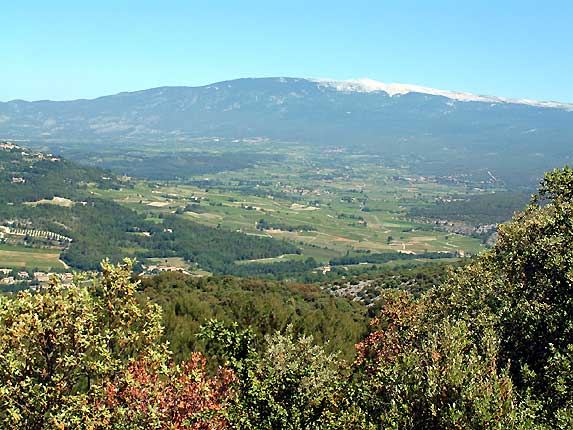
(334, 209)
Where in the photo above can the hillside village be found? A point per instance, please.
(24, 278)
(10, 146)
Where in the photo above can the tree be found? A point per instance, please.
(491, 347)
(523, 290)
(85, 356)
(292, 384)
(411, 375)
(176, 396)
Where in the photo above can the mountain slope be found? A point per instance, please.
(456, 131)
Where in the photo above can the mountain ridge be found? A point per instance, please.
(365, 85)
(429, 132)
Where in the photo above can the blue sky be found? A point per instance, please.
(84, 49)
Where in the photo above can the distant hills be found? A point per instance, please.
(433, 130)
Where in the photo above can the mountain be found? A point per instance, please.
(435, 130)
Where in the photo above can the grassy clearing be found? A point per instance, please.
(57, 201)
(169, 261)
(284, 257)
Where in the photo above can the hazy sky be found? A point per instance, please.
(84, 49)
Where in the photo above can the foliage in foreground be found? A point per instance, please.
(291, 384)
(90, 356)
(490, 348)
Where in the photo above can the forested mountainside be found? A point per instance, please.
(263, 306)
(435, 131)
(489, 347)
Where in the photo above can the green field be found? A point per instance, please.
(29, 258)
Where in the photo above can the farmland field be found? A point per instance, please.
(29, 258)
